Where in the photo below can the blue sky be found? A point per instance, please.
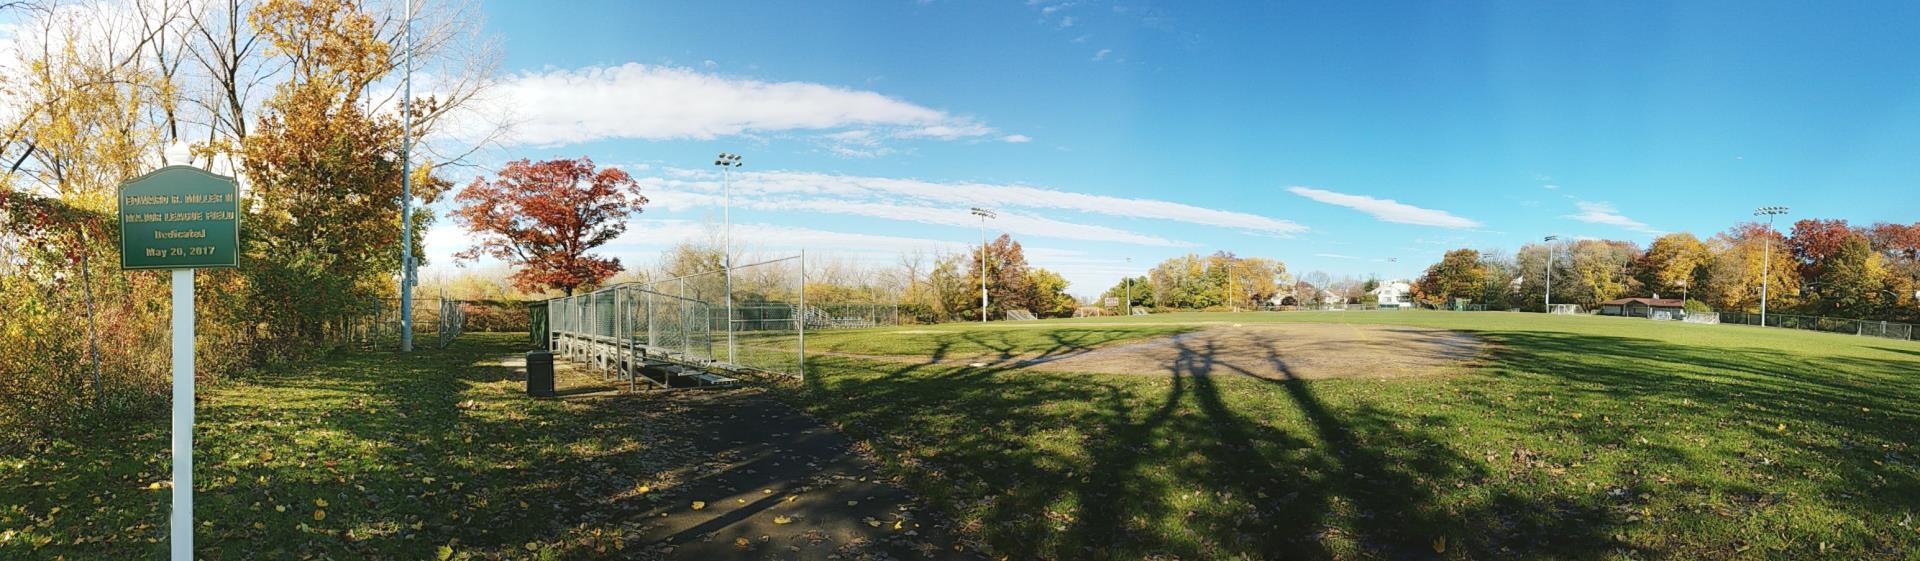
(1331, 137)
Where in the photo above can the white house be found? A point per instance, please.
(1394, 294)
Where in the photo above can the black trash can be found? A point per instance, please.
(540, 374)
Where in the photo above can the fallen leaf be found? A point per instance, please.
(319, 515)
(782, 520)
(697, 505)
(265, 456)
(1440, 544)
(445, 553)
(322, 503)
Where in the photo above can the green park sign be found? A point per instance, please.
(179, 217)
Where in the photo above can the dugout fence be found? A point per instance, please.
(681, 330)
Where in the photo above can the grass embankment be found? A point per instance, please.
(361, 456)
(1576, 437)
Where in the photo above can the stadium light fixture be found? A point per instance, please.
(727, 161)
(984, 214)
(1548, 304)
(1766, 255)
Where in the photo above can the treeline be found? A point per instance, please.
(1818, 267)
(99, 95)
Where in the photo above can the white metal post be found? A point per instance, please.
(1766, 266)
(182, 520)
(1766, 255)
(983, 269)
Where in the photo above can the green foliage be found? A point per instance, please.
(1854, 278)
(1696, 306)
(1050, 298)
(1459, 274)
(1193, 282)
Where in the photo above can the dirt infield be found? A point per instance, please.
(1271, 351)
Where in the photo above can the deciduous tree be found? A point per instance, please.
(1457, 275)
(546, 218)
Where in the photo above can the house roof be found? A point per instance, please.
(1652, 302)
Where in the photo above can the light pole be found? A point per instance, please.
(984, 214)
(1129, 287)
(406, 192)
(1766, 255)
(727, 161)
(1547, 305)
(1233, 304)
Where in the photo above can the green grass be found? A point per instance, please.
(1575, 438)
(409, 455)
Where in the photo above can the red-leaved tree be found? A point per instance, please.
(543, 218)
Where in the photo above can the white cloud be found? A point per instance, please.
(960, 195)
(1550, 187)
(651, 102)
(1016, 138)
(1604, 213)
(1102, 55)
(1335, 256)
(1066, 22)
(1386, 210)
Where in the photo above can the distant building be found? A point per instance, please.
(1643, 307)
(1394, 294)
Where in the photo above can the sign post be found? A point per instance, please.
(180, 218)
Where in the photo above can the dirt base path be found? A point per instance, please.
(1272, 351)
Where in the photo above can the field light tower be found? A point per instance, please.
(727, 161)
(1130, 287)
(984, 214)
(1766, 255)
(407, 273)
(1548, 303)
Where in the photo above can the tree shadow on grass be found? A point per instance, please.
(1200, 465)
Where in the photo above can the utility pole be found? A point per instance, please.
(1129, 287)
(406, 189)
(984, 214)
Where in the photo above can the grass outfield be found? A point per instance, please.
(1572, 437)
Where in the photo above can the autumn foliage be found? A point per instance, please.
(544, 218)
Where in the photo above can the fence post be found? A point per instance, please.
(686, 342)
(802, 316)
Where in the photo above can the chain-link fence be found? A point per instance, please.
(1870, 328)
(377, 325)
(634, 330)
